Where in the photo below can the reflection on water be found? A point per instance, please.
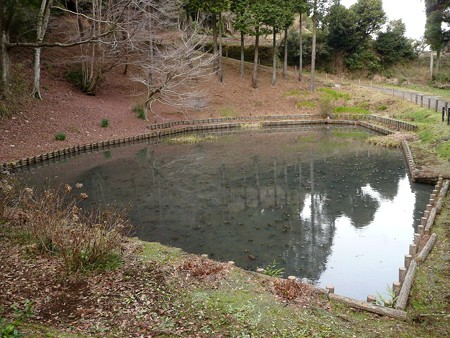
(320, 202)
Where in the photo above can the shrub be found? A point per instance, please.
(104, 123)
(75, 76)
(139, 110)
(60, 137)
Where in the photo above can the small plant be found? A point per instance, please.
(140, 111)
(104, 123)
(273, 270)
(10, 329)
(60, 137)
(389, 299)
(326, 106)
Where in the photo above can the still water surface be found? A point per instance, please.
(319, 202)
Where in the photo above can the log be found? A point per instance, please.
(442, 194)
(381, 310)
(406, 287)
(422, 256)
(430, 220)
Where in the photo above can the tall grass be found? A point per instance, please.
(55, 224)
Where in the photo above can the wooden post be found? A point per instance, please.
(402, 274)
(412, 249)
(292, 278)
(421, 229)
(396, 286)
(429, 103)
(371, 299)
(408, 259)
(330, 288)
(436, 105)
(417, 239)
(421, 100)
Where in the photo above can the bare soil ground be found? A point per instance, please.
(65, 109)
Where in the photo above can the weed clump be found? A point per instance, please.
(140, 112)
(104, 123)
(60, 136)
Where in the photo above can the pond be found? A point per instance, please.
(319, 202)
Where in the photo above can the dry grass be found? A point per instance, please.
(291, 290)
(52, 222)
(203, 268)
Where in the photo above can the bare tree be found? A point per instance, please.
(176, 69)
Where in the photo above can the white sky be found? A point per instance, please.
(412, 13)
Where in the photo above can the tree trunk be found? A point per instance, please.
(285, 53)
(220, 49)
(242, 55)
(215, 45)
(313, 51)
(256, 60)
(5, 58)
(431, 63)
(274, 59)
(36, 93)
(300, 63)
(41, 29)
(438, 63)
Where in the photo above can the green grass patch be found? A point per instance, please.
(189, 139)
(228, 112)
(424, 116)
(296, 93)
(334, 94)
(351, 110)
(443, 150)
(360, 135)
(157, 252)
(306, 104)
